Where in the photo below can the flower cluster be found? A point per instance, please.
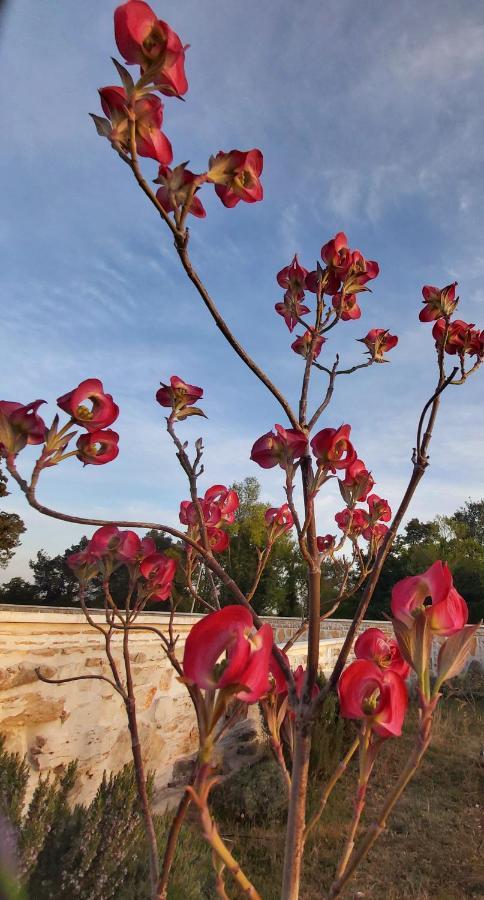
(133, 112)
(90, 407)
(355, 521)
(87, 406)
(218, 507)
(110, 548)
(457, 338)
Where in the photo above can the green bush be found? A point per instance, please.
(94, 852)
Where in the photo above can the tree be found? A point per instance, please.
(11, 527)
(472, 515)
(18, 591)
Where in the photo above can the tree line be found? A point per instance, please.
(457, 539)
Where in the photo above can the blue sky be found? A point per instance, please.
(369, 117)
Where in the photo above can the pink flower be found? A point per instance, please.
(326, 543)
(236, 176)
(226, 500)
(217, 539)
(121, 546)
(293, 277)
(333, 449)
(379, 341)
(278, 520)
(461, 338)
(147, 41)
(353, 521)
(447, 612)
(347, 306)
(101, 412)
(291, 309)
(438, 302)
(97, 447)
(375, 534)
(221, 651)
(379, 509)
(180, 396)
(174, 191)
(150, 141)
(20, 425)
(367, 692)
(373, 644)
(357, 482)
(159, 571)
(302, 344)
(282, 448)
(84, 564)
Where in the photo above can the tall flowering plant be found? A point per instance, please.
(230, 657)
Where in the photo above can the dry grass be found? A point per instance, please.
(434, 845)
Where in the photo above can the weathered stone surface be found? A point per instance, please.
(30, 709)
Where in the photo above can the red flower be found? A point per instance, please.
(367, 692)
(150, 141)
(326, 543)
(236, 176)
(147, 41)
(379, 509)
(300, 678)
(337, 256)
(447, 612)
(462, 338)
(20, 425)
(175, 186)
(379, 341)
(102, 411)
(282, 448)
(353, 521)
(84, 564)
(375, 534)
(361, 271)
(333, 449)
(246, 657)
(373, 644)
(347, 306)
(291, 309)
(438, 302)
(180, 395)
(357, 482)
(121, 546)
(302, 344)
(217, 539)
(226, 500)
(159, 571)
(97, 447)
(343, 267)
(278, 521)
(293, 277)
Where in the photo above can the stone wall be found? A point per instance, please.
(85, 720)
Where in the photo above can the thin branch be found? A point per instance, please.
(79, 678)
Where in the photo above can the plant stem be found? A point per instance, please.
(373, 833)
(338, 772)
(294, 846)
(130, 704)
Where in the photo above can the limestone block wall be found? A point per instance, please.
(85, 720)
